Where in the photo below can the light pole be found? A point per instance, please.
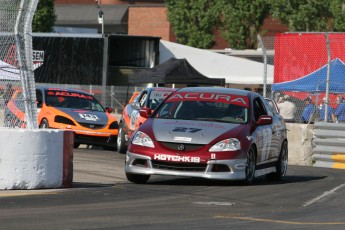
(101, 20)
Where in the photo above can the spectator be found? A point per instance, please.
(287, 109)
(322, 111)
(308, 111)
(339, 114)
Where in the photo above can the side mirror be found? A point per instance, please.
(264, 120)
(108, 109)
(145, 112)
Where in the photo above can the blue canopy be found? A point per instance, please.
(316, 81)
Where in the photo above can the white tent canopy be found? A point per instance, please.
(9, 72)
(213, 65)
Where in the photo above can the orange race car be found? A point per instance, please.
(131, 119)
(68, 109)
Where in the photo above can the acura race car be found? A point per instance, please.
(131, 120)
(209, 132)
(68, 109)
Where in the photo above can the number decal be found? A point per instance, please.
(184, 130)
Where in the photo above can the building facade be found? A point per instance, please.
(130, 17)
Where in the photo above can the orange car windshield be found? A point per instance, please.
(73, 101)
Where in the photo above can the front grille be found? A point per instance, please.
(187, 147)
(185, 167)
(92, 126)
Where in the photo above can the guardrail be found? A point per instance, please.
(329, 145)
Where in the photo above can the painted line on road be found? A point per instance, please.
(278, 221)
(216, 203)
(25, 193)
(325, 194)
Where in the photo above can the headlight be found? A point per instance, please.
(142, 139)
(230, 144)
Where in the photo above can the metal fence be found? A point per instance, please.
(308, 70)
(16, 66)
(329, 145)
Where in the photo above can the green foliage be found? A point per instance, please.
(44, 18)
(193, 21)
(310, 15)
(241, 21)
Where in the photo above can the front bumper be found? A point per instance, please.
(95, 140)
(147, 167)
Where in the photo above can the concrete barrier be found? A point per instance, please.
(34, 159)
(300, 143)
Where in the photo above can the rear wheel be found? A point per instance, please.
(121, 142)
(250, 166)
(44, 124)
(281, 166)
(137, 178)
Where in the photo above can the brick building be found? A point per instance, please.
(132, 17)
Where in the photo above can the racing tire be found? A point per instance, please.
(137, 178)
(281, 166)
(121, 142)
(250, 166)
(44, 124)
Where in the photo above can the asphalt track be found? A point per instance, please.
(101, 198)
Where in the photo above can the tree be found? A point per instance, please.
(242, 20)
(193, 21)
(44, 18)
(306, 15)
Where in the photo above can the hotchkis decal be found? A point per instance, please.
(215, 97)
(164, 157)
(89, 117)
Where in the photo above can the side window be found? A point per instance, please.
(39, 98)
(142, 99)
(259, 108)
(271, 106)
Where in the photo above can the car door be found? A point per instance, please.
(135, 119)
(263, 134)
(278, 127)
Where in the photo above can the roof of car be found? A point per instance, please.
(217, 90)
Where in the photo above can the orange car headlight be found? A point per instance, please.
(63, 120)
(114, 125)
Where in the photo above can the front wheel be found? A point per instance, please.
(44, 124)
(137, 178)
(121, 142)
(281, 166)
(250, 166)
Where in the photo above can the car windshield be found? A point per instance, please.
(73, 100)
(203, 110)
(157, 96)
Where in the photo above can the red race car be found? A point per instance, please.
(131, 120)
(209, 132)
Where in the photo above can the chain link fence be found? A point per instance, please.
(308, 75)
(16, 67)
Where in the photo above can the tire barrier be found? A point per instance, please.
(329, 145)
(36, 159)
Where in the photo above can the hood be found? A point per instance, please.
(86, 116)
(192, 132)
